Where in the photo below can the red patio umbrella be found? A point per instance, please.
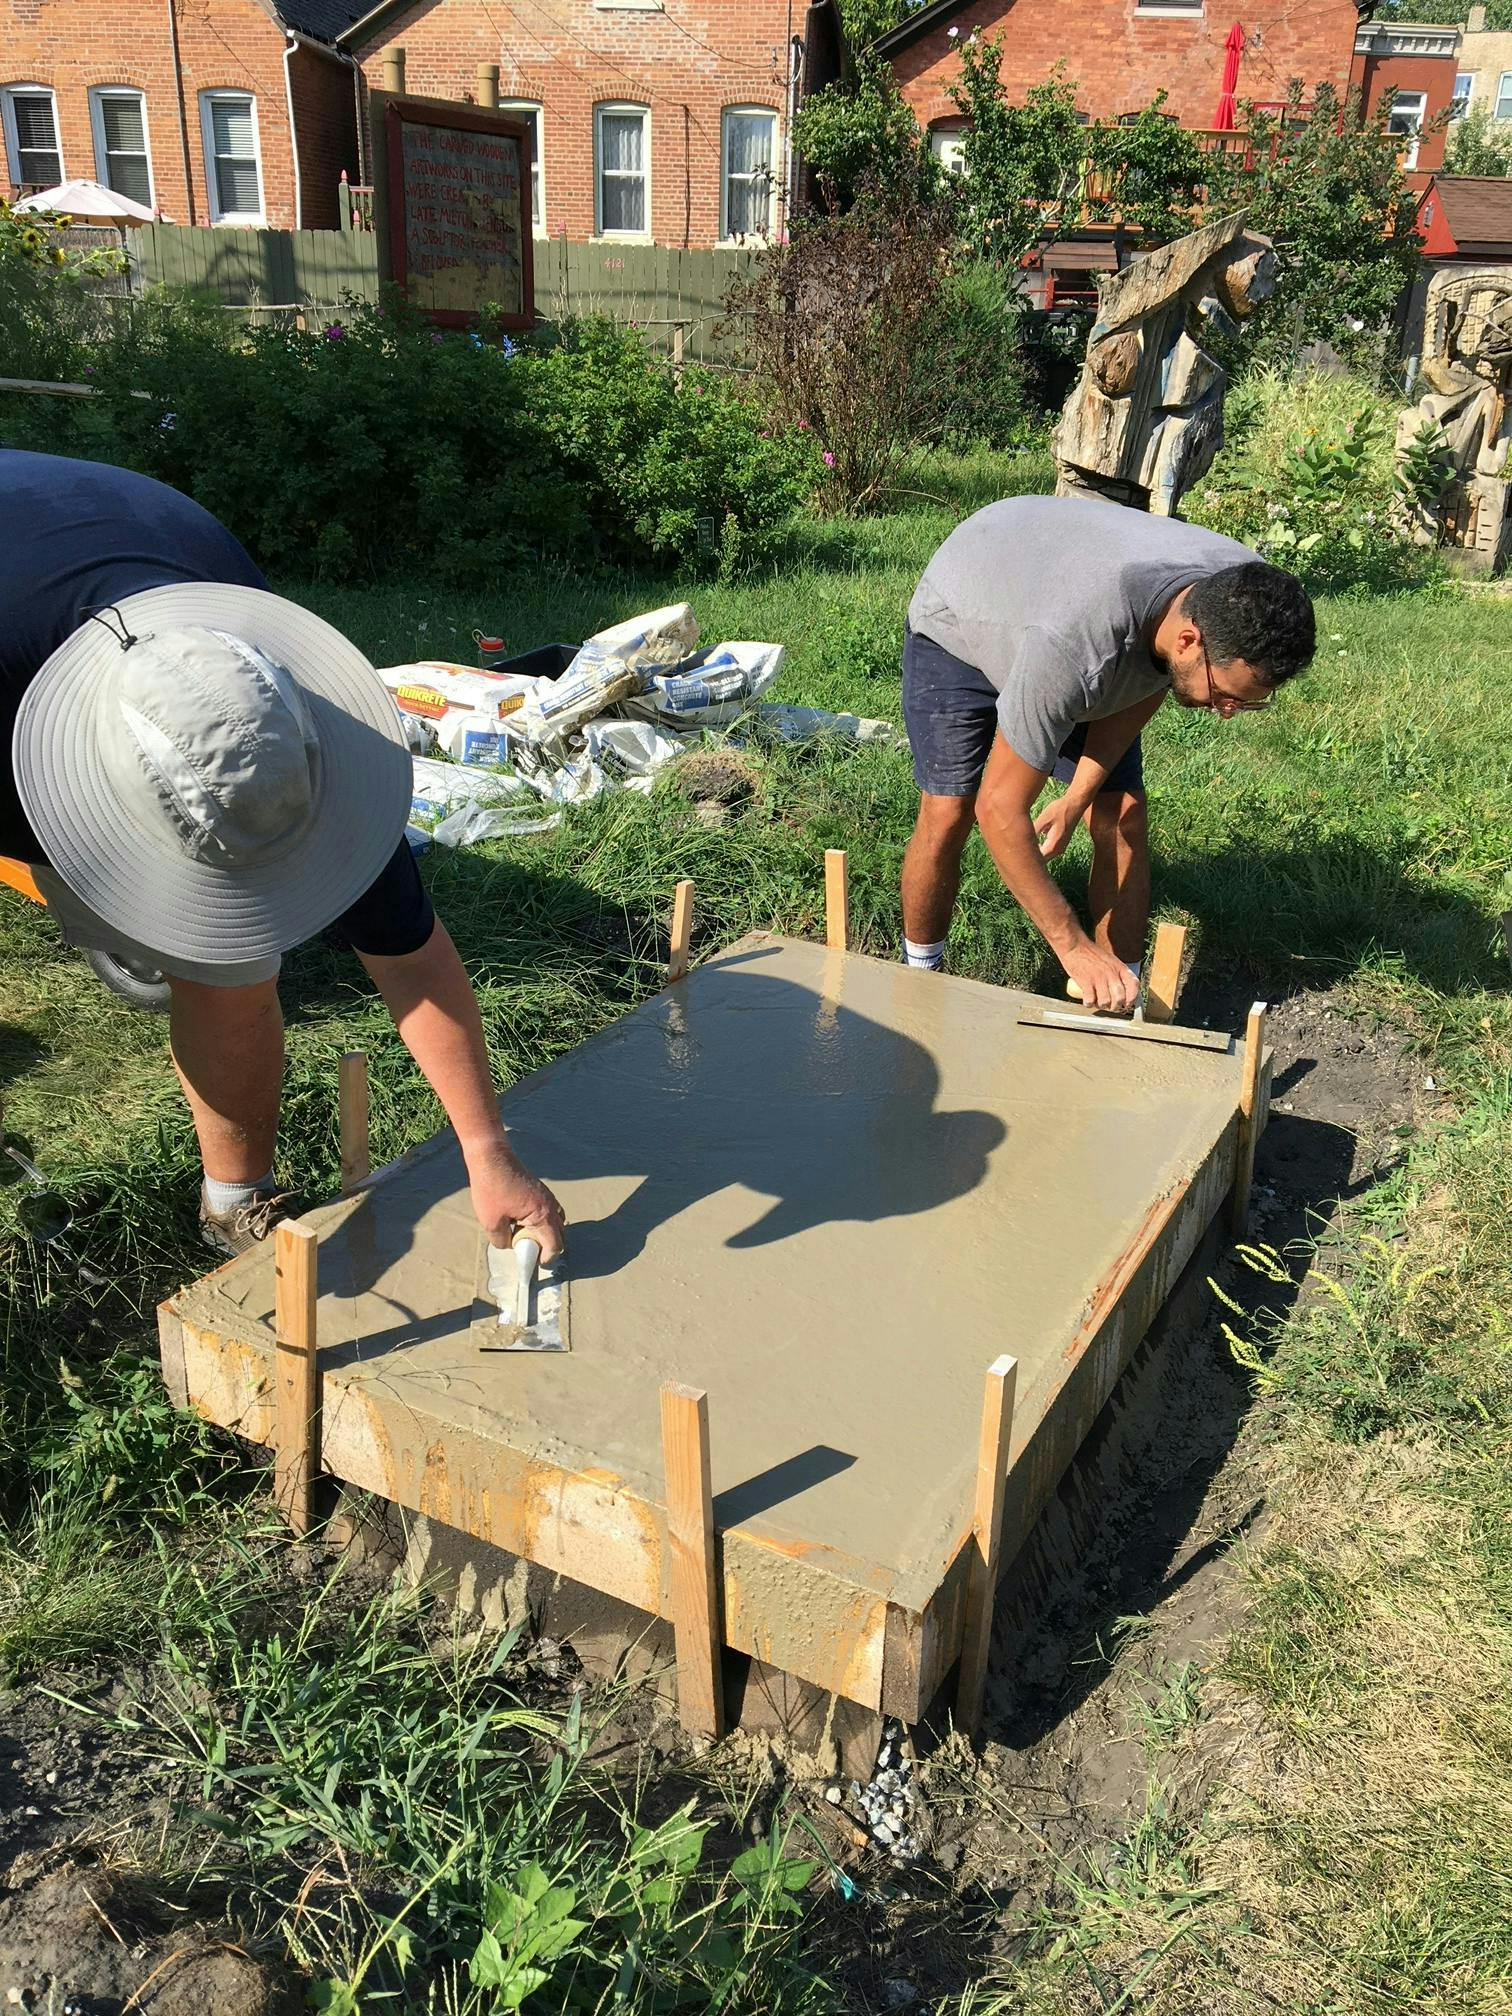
(1227, 105)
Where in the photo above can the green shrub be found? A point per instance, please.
(376, 445)
(970, 362)
(1307, 479)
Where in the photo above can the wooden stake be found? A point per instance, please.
(1507, 933)
(356, 1162)
(1249, 1106)
(1163, 990)
(682, 932)
(296, 1378)
(836, 900)
(987, 1540)
(690, 1538)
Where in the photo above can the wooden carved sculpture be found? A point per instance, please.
(1146, 419)
(1462, 418)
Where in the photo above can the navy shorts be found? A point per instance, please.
(950, 711)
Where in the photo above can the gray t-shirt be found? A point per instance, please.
(1049, 597)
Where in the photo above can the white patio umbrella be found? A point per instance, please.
(89, 203)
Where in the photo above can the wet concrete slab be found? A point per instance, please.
(828, 1190)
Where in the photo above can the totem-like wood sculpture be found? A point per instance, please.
(1146, 419)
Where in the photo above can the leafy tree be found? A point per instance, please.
(860, 133)
(1324, 180)
(1152, 174)
(864, 20)
(1023, 164)
(1454, 12)
(1477, 146)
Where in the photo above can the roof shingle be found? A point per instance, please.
(1477, 208)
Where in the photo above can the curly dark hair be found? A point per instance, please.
(1258, 613)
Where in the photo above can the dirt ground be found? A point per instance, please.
(1131, 1589)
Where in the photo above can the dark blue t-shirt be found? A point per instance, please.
(76, 536)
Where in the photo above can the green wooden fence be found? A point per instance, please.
(657, 287)
(267, 269)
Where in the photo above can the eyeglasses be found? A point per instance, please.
(1227, 705)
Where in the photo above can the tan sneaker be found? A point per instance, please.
(244, 1225)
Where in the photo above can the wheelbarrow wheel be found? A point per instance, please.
(143, 986)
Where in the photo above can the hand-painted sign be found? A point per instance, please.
(459, 211)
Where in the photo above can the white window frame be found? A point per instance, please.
(13, 138)
(619, 107)
(1459, 104)
(947, 143)
(537, 155)
(1503, 96)
(1409, 105)
(207, 143)
(748, 112)
(98, 93)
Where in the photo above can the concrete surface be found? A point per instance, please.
(829, 1190)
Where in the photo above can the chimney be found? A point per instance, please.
(393, 71)
(488, 85)
(1476, 25)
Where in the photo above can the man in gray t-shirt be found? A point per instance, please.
(1044, 635)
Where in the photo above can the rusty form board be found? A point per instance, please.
(828, 1191)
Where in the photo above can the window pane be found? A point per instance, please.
(624, 203)
(127, 175)
(231, 124)
(747, 206)
(621, 140)
(38, 157)
(750, 142)
(236, 188)
(122, 121)
(1504, 96)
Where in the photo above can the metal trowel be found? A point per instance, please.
(530, 1301)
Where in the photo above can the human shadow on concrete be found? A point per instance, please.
(742, 1079)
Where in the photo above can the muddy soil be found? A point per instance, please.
(1132, 1592)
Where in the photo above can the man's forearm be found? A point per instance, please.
(435, 1011)
(1108, 741)
(1013, 845)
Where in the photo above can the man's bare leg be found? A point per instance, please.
(932, 866)
(228, 1050)
(1118, 888)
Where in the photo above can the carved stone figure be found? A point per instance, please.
(1462, 420)
(1146, 419)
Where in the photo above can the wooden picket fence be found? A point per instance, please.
(258, 269)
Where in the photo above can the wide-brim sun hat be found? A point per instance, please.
(222, 787)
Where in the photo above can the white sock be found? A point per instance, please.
(224, 1197)
(930, 957)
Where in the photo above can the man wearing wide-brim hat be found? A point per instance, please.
(205, 775)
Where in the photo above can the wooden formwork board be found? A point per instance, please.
(825, 1190)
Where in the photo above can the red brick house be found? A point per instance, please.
(655, 121)
(209, 111)
(1122, 53)
(1418, 64)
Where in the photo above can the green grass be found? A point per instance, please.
(1359, 834)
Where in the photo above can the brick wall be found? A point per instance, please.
(325, 123)
(688, 61)
(72, 45)
(1120, 56)
(1431, 76)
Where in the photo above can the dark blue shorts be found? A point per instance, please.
(950, 711)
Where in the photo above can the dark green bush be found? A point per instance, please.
(377, 445)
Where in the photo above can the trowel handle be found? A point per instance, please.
(527, 1254)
